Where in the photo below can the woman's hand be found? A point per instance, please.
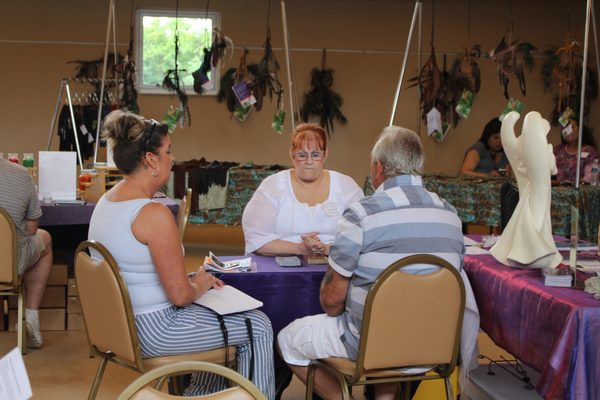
(313, 244)
(205, 281)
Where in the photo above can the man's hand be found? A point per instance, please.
(334, 289)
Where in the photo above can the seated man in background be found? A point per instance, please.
(402, 218)
(18, 197)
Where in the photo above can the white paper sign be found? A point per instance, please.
(434, 121)
(14, 383)
(58, 175)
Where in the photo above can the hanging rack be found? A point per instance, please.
(65, 90)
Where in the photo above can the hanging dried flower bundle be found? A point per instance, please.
(218, 49)
(236, 88)
(211, 59)
(321, 101)
(466, 77)
(512, 57)
(437, 88)
(561, 74)
(447, 97)
(172, 80)
(129, 93)
(267, 79)
(429, 81)
(465, 70)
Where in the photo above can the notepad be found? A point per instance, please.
(228, 300)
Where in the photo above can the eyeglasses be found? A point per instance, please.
(316, 155)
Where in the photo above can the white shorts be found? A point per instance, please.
(312, 338)
(33, 250)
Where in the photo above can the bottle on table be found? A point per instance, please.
(13, 157)
(28, 160)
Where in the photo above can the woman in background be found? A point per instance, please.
(296, 211)
(486, 157)
(142, 237)
(566, 153)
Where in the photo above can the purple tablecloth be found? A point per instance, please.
(287, 293)
(68, 226)
(80, 214)
(554, 330)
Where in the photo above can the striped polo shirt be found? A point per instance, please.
(402, 218)
(18, 197)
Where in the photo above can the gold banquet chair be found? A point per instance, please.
(11, 283)
(409, 321)
(184, 213)
(140, 389)
(109, 320)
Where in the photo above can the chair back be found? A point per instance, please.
(105, 305)
(139, 389)
(184, 212)
(509, 198)
(8, 250)
(412, 320)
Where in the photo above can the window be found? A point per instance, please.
(156, 47)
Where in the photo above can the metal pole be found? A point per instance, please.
(416, 12)
(595, 40)
(287, 61)
(419, 63)
(115, 57)
(53, 123)
(583, 84)
(575, 209)
(111, 10)
(74, 124)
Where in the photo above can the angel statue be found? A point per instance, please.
(527, 240)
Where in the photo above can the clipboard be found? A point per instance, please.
(228, 300)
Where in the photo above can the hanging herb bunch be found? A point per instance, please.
(562, 73)
(211, 58)
(172, 81)
(128, 100)
(438, 92)
(512, 57)
(267, 79)
(466, 75)
(321, 101)
(236, 89)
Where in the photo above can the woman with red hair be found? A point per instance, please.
(296, 211)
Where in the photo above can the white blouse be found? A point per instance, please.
(274, 213)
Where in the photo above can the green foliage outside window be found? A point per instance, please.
(158, 46)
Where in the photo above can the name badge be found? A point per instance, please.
(331, 209)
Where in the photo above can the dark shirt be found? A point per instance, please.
(486, 161)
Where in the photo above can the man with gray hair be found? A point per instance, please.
(402, 218)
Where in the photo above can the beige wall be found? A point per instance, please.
(34, 49)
